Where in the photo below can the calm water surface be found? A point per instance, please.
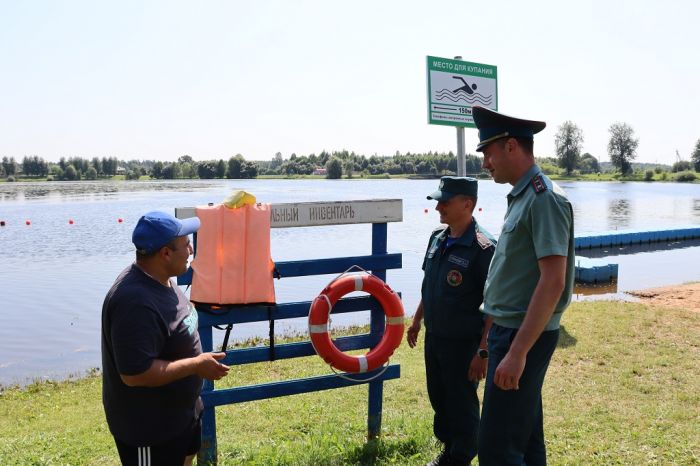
(54, 275)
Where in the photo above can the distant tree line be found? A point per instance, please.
(568, 160)
(622, 150)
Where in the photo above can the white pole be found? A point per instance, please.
(461, 161)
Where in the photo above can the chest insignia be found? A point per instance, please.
(458, 260)
(454, 278)
(538, 184)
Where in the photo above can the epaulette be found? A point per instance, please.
(538, 184)
(483, 240)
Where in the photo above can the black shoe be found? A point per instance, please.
(443, 459)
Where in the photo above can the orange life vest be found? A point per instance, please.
(233, 264)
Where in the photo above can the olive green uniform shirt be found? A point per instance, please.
(539, 222)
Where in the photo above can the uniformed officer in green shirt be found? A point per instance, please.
(455, 264)
(528, 287)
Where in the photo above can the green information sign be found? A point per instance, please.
(455, 86)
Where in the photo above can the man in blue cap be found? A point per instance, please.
(152, 360)
(455, 264)
(528, 288)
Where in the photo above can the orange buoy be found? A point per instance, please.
(70, 221)
(27, 222)
(320, 311)
(119, 220)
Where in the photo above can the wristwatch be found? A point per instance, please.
(483, 353)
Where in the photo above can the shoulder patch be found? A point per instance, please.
(483, 240)
(538, 184)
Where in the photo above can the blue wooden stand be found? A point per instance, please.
(378, 262)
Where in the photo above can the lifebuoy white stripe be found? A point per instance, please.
(320, 328)
(358, 282)
(394, 320)
(363, 363)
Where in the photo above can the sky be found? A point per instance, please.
(211, 79)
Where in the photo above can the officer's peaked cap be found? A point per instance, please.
(451, 186)
(493, 126)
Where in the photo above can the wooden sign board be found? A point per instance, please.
(308, 214)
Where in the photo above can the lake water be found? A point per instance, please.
(54, 274)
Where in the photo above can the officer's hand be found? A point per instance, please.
(412, 334)
(209, 367)
(509, 371)
(477, 368)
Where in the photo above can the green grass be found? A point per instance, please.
(623, 388)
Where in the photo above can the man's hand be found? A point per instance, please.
(209, 367)
(509, 371)
(412, 334)
(477, 368)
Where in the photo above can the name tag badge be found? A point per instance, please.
(458, 260)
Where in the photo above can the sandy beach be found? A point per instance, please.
(686, 296)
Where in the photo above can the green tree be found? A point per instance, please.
(71, 174)
(91, 174)
(97, 164)
(695, 157)
(9, 166)
(187, 170)
(185, 159)
(172, 171)
(234, 167)
(157, 170)
(348, 168)
(567, 143)
(221, 169)
(249, 170)
(680, 166)
(207, 170)
(334, 168)
(588, 164)
(622, 147)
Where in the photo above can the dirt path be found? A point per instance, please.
(682, 296)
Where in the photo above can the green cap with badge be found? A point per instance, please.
(451, 186)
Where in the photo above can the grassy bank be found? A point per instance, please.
(623, 388)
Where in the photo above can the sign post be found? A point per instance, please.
(454, 87)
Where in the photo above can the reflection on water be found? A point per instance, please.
(619, 214)
(62, 190)
(696, 207)
(581, 289)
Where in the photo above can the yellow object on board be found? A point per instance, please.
(238, 199)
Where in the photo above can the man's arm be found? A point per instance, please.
(414, 329)
(547, 293)
(161, 372)
(478, 366)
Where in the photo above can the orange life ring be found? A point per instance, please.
(320, 311)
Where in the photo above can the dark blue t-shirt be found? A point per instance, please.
(143, 320)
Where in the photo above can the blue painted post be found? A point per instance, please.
(207, 452)
(376, 387)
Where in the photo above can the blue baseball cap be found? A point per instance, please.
(156, 229)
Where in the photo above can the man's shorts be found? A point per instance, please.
(170, 453)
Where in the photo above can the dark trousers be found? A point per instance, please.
(511, 430)
(452, 396)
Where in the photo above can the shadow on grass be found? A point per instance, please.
(378, 451)
(565, 338)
